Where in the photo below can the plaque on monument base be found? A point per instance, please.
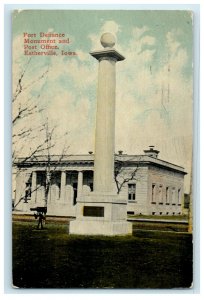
(100, 214)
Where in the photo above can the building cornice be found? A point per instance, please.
(88, 160)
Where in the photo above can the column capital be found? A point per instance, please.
(111, 54)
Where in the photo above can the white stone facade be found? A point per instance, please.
(155, 189)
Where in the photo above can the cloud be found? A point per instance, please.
(137, 32)
(108, 26)
(83, 56)
(71, 116)
(154, 100)
(153, 97)
(173, 43)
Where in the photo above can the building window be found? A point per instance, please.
(160, 194)
(179, 196)
(153, 193)
(131, 192)
(167, 195)
(186, 201)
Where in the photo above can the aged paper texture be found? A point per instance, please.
(70, 81)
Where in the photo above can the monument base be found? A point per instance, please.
(107, 228)
(100, 214)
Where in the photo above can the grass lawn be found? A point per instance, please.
(168, 218)
(51, 258)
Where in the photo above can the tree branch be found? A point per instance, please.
(122, 175)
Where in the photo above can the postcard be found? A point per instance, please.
(102, 111)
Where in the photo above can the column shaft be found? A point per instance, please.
(80, 184)
(105, 127)
(34, 187)
(63, 184)
(20, 188)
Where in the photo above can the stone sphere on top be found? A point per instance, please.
(107, 40)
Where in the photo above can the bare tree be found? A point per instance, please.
(25, 105)
(25, 135)
(44, 149)
(48, 170)
(124, 172)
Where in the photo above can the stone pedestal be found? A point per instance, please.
(96, 227)
(103, 212)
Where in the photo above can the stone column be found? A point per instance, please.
(103, 212)
(105, 116)
(63, 184)
(20, 189)
(34, 187)
(80, 184)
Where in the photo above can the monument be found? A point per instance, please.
(103, 211)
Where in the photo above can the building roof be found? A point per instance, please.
(88, 159)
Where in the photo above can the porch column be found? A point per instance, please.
(80, 184)
(63, 184)
(34, 187)
(20, 189)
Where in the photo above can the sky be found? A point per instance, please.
(153, 84)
